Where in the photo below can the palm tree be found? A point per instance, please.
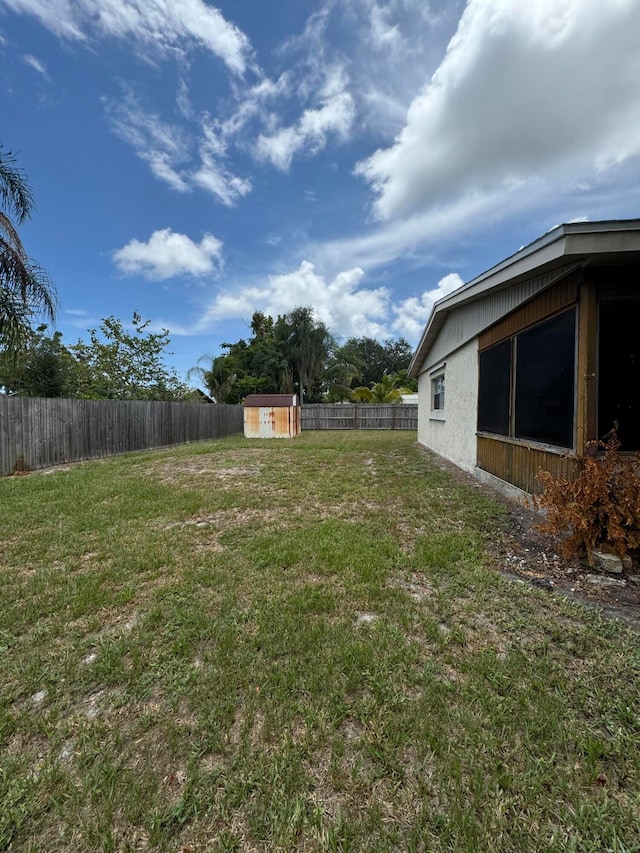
(216, 383)
(341, 374)
(385, 391)
(25, 288)
(307, 346)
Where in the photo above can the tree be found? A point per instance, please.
(340, 374)
(375, 359)
(307, 345)
(296, 351)
(214, 379)
(263, 364)
(44, 367)
(388, 390)
(119, 365)
(25, 288)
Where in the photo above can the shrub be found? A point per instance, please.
(600, 507)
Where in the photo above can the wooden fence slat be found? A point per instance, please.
(37, 432)
(359, 416)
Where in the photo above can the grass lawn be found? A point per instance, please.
(297, 645)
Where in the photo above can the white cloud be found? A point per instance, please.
(162, 145)
(167, 254)
(212, 174)
(525, 90)
(217, 180)
(168, 150)
(342, 303)
(160, 165)
(334, 115)
(162, 25)
(35, 63)
(411, 314)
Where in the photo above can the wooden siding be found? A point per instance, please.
(549, 302)
(518, 463)
(38, 433)
(587, 399)
(360, 416)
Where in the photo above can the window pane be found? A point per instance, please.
(619, 371)
(493, 389)
(545, 381)
(437, 389)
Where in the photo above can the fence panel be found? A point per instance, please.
(36, 432)
(359, 416)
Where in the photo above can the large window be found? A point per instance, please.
(527, 383)
(494, 393)
(619, 370)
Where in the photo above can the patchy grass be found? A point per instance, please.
(297, 645)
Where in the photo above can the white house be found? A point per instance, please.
(529, 362)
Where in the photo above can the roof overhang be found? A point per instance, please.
(578, 243)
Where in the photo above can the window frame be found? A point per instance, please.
(437, 381)
(513, 340)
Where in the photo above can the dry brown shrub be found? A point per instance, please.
(601, 507)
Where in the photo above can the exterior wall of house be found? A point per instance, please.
(452, 433)
(543, 363)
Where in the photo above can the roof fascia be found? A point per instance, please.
(569, 242)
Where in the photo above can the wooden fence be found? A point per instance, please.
(37, 432)
(359, 416)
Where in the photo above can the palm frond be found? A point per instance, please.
(15, 193)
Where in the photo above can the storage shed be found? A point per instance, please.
(539, 355)
(271, 416)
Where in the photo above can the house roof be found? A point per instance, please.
(581, 243)
(260, 401)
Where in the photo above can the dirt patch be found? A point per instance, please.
(526, 553)
(522, 552)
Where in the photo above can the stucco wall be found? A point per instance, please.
(454, 437)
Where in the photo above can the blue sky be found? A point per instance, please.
(195, 162)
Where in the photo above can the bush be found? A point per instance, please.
(601, 507)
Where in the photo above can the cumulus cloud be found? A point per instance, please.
(167, 254)
(343, 303)
(410, 315)
(163, 25)
(525, 90)
(347, 306)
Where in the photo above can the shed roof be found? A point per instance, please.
(260, 401)
(579, 243)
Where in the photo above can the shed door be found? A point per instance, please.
(267, 420)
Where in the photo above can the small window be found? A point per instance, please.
(437, 393)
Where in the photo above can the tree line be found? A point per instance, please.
(114, 364)
(296, 353)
